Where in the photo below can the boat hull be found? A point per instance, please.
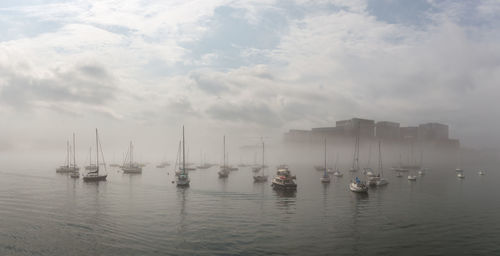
(132, 170)
(358, 189)
(259, 178)
(95, 178)
(284, 186)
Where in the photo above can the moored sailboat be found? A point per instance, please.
(183, 177)
(224, 170)
(131, 167)
(262, 177)
(325, 178)
(94, 175)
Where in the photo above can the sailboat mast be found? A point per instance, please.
(224, 149)
(68, 161)
(325, 158)
(183, 153)
(263, 157)
(74, 152)
(131, 153)
(97, 150)
(380, 169)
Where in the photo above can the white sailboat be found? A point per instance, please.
(262, 177)
(337, 172)
(91, 166)
(183, 177)
(94, 175)
(378, 180)
(75, 173)
(224, 170)
(326, 177)
(131, 167)
(422, 170)
(459, 168)
(412, 177)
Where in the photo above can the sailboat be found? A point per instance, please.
(355, 160)
(412, 177)
(75, 169)
(203, 163)
(91, 166)
(422, 170)
(183, 178)
(326, 177)
(378, 180)
(94, 175)
(131, 167)
(224, 170)
(337, 173)
(261, 178)
(458, 169)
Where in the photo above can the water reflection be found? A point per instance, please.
(181, 198)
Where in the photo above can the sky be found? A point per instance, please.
(139, 70)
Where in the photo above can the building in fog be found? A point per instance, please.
(364, 127)
(428, 134)
(433, 131)
(385, 130)
(409, 133)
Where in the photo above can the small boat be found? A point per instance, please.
(337, 173)
(481, 172)
(326, 177)
(421, 172)
(368, 172)
(75, 175)
(460, 175)
(358, 186)
(183, 177)
(458, 170)
(69, 167)
(284, 180)
(319, 168)
(262, 177)
(94, 175)
(412, 177)
(163, 165)
(131, 166)
(256, 169)
(399, 175)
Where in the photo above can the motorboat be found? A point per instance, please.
(284, 179)
(460, 175)
(358, 186)
(412, 177)
(481, 172)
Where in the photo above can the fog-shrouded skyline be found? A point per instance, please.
(139, 70)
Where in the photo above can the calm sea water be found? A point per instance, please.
(44, 213)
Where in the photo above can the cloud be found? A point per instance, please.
(269, 63)
(89, 84)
